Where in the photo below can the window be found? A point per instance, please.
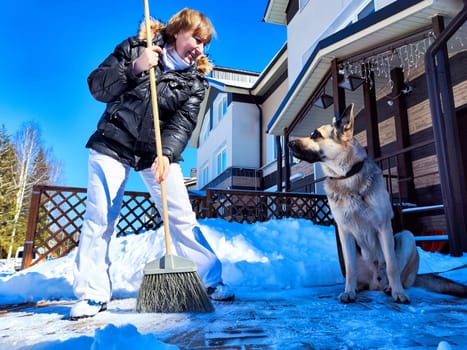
(271, 148)
(302, 3)
(205, 128)
(367, 10)
(221, 161)
(204, 176)
(219, 108)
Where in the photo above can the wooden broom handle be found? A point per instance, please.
(155, 113)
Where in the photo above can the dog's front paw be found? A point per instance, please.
(347, 298)
(401, 298)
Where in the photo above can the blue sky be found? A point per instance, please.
(49, 47)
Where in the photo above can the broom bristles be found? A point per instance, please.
(173, 292)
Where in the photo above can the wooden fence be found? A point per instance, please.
(56, 214)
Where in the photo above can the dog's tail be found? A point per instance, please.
(439, 284)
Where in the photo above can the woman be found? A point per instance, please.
(125, 139)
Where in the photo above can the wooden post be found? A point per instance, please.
(401, 122)
(451, 169)
(338, 93)
(33, 219)
(371, 117)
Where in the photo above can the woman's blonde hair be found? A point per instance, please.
(185, 20)
(190, 20)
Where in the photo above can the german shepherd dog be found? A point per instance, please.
(374, 258)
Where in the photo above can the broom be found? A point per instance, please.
(171, 283)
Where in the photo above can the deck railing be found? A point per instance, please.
(56, 214)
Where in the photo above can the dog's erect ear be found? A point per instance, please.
(344, 123)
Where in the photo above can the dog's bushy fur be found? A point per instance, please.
(374, 258)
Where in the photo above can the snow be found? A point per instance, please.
(286, 276)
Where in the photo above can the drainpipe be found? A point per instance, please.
(260, 130)
(279, 164)
(287, 160)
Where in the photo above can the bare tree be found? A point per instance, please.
(33, 168)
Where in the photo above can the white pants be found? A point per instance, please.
(107, 178)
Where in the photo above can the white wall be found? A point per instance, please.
(269, 108)
(305, 30)
(245, 133)
(218, 137)
(239, 135)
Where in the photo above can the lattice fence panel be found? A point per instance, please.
(138, 214)
(251, 206)
(59, 221)
(56, 214)
(200, 206)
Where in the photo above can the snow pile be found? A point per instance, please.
(278, 255)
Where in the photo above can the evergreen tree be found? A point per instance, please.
(8, 166)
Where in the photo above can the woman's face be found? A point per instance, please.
(188, 46)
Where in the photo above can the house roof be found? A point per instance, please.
(276, 12)
(389, 23)
(274, 71)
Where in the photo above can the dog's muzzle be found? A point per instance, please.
(294, 145)
(300, 153)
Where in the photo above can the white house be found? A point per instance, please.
(411, 108)
(230, 135)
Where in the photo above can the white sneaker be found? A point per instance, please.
(86, 308)
(220, 292)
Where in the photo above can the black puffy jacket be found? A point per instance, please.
(126, 129)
